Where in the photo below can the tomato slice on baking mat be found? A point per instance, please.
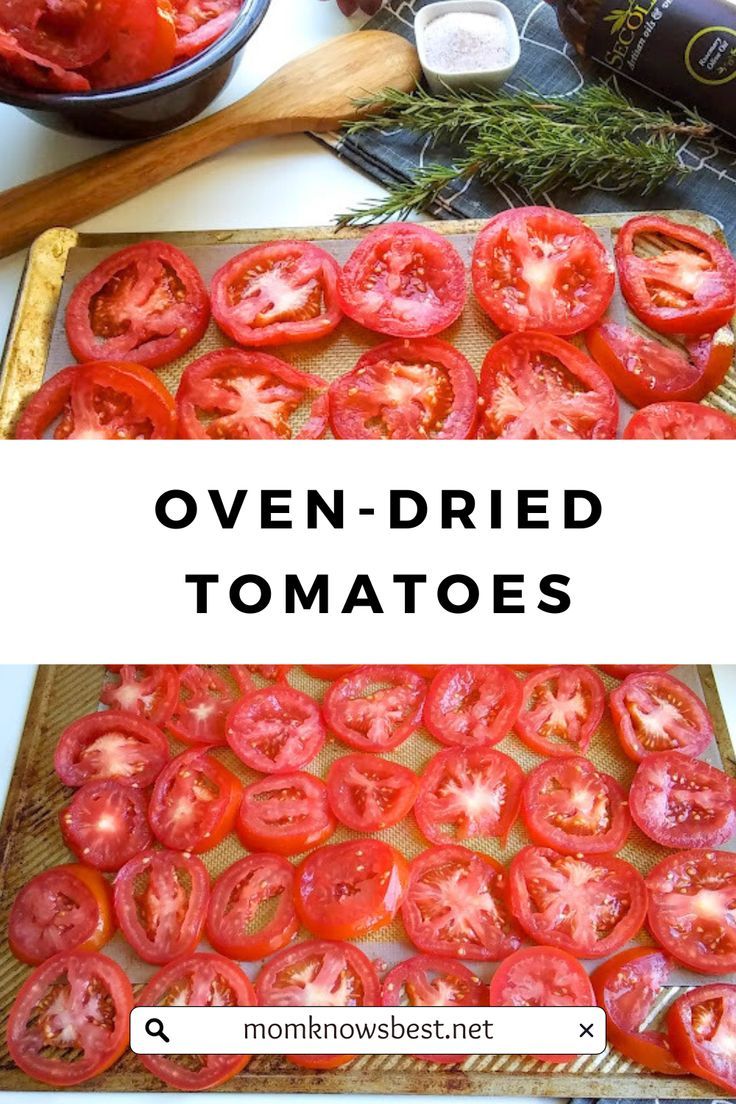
(161, 904)
(194, 803)
(199, 717)
(64, 909)
(653, 711)
(679, 801)
(375, 708)
(105, 824)
(251, 912)
(110, 746)
(680, 421)
(472, 706)
(276, 729)
(149, 692)
(561, 710)
(285, 813)
(368, 793)
(568, 804)
(468, 793)
(701, 1029)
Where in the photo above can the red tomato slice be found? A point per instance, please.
(541, 977)
(70, 1019)
(194, 802)
(368, 793)
(69, 34)
(620, 670)
(274, 672)
(701, 1028)
(405, 280)
(406, 390)
(456, 906)
(33, 71)
(105, 824)
(149, 692)
(64, 909)
(570, 805)
(200, 714)
(146, 303)
(345, 890)
(375, 708)
(472, 706)
(241, 395)
(276, 729)
(679, 801)
(251, 912)
(691, 897)
(680, 422)
(536, 268)
(99, 401)
(626, 987)
(653, 711)
(143, 44)
(110, 746)
(197, 981)
(317, 974)
(687, 287)
(534, 386)
(590, 906)
(161, 904)
(467, 793)
(561, 709)
(285, 813)
(328, 671)
(426, 981)
(276, 294)
(199, 23)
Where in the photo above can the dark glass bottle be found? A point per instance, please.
(685, 50)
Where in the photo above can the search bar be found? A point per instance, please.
(398, 1030)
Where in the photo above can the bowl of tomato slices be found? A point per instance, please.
(120, 68)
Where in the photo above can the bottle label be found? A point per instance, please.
(683, 49)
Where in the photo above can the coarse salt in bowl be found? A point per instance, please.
(466, 44)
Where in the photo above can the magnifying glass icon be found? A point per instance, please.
(155, 1029)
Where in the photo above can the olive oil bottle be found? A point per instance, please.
(685, 50)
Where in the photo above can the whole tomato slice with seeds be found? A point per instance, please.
(406, 390)
(466, 793)
(653, 711)
(679, 801)
(285, 813)
(146, 303)
(70, 34)
(368, 793)
(149, 692)
(161, 904)
(472, 706)
(680, 421)
(197, 981)
(105, 824)
(194, 803)
(64, 909)
(570, 805)
(676, 278)
(701, 1027)
(34, 71)
(110, 746)
(276, 294)
(199, 716)
(537, 268)
(375, 708)
(199, 23)
(70, 1019)
(588, 905)
(251, 912)
(405, 280)
(561, 709)
(275, 729)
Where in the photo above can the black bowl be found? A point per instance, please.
(144, 110)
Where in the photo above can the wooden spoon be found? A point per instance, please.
(314, 92)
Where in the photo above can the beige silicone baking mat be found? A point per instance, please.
(31, 843)
(37, 346)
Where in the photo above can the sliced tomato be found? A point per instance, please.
(675, 421)
(67, 908)
(588, 905)
(691, 909)
(200, 714)
(276, 729)
(541, 977)
(70, 1019)
(110, 746)
(143, 44)
(199, 23)
(456, 905)
(406, 390)
(538, 268)
(561, 710)
(251, 913)
(69, 34)
(194, 802)
(677, 279)
(101, 401)
(161, 904)
(285, 813)
(467, 793)
(680, 801)
(627, 986)
(375, 708)
(427, 981)
(149, 692)
(472, 706)
(319, 974)
(242, 673)
(197, 981)
(105, 824)
(368, 793)
(653, 711)
(701, 1029)
(572, 806)
(34, 71)
(242, 395)
(345, 890)
(276, 294)
(534, 386)
(329, 671)
(405, 280)
(621, 670)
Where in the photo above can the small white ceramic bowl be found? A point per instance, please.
(480, 78)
